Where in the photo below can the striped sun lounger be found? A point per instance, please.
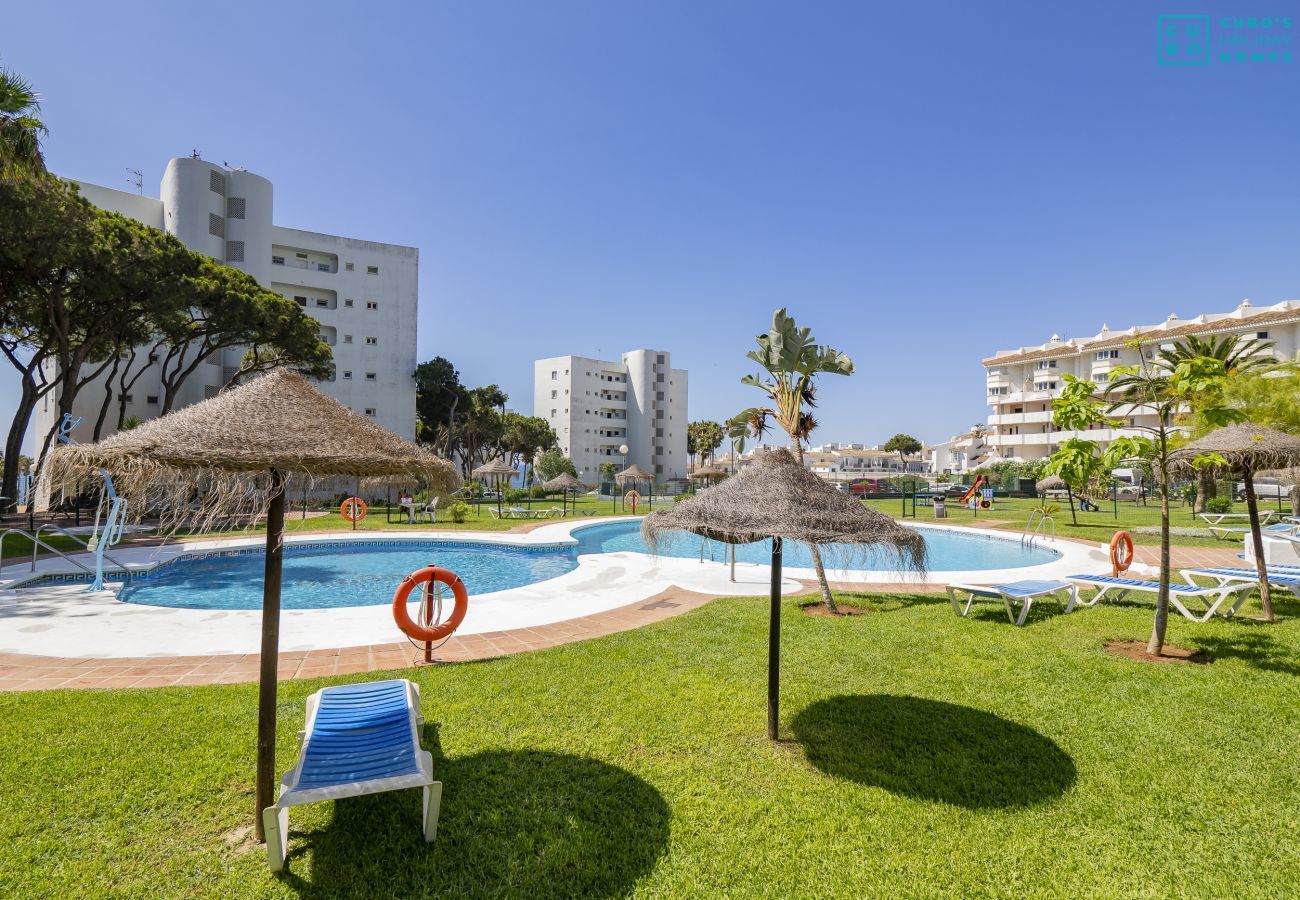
(1012, 593)
(360, 739)
(1281, 577)
(1212, 597)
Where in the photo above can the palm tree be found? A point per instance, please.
(1239, 357)
(790, 359)
(20, 129)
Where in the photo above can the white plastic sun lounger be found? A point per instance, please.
(1212, 597)
(360, 739)
(1225, 532)
(1289, 579)
(1022, 592)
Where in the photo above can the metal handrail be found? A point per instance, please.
(36, 541)
(78, 539)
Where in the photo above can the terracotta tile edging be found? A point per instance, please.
(22, 672)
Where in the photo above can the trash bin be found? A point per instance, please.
(940, 507)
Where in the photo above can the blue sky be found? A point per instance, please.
(921, 183)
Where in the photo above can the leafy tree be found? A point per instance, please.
(1240, 356)
(289, 340)
(904, 445)
(791, 360)
(523, 437)
(21, 129)
(1164, 395)
(553, 463)
(438, 394)
(703, 438)
(1269, 397)
(481, 426)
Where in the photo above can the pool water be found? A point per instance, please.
(339, 574)
(336, 575)
(947, 551)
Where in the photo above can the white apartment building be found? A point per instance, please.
(363, 293)
(844, 462)
(597, 406)
(1022, 383)
(959, 454)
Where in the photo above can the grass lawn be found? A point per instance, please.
(1093, 526)
(921, 755)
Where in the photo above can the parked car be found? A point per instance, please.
(868, 486)
(1266, 489)
(947, 489)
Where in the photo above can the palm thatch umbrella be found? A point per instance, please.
(1247, 448)
(566, 483)
(1051, 483)
(496, 470)
(636, 475)
(708, 473)
(239, 448)
(776, 497)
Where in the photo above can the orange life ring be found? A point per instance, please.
(353, 509)
(1120, 563)
(631, 498)
(428, 575)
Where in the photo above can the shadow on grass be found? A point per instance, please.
(1255, 648)
(525, 823)
(932, 750)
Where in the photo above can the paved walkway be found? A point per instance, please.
(19, 672)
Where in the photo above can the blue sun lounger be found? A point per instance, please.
(360, 739)
(1212, 597)
(1282, 577)
(1022, 592)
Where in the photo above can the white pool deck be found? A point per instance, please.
(63, 620)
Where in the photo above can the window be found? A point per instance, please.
(370, 411)
(1106, 354)
(302, 301)
(348, 302)
(1101, 376)
(999, 391)
(554, 394)
(124, 397)
(372, 341)
(277, 260)
(347, 267)
(324, 267)
(659, 358)
(372, 270)
(1047, 364)
(300, 256)
(347, 374)
(320, 302)
(234, 251)
(216, 225)
(152, 398)
(217, 183)
(372, 376)
(1261, 335)
(235, 207)
(372, 304)
(210, 391)
(554, 375)
(347, 338)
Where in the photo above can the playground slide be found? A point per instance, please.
(974, 489)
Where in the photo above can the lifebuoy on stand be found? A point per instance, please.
(429, 630)
(632, 498)
(1121, 559)
(353, 509)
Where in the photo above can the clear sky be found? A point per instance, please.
(922, 184)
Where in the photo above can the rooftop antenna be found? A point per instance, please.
(194, 154)
(136, 178)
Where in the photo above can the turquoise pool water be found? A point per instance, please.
(948, 551)
(324, 575)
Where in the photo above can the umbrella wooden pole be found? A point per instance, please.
(774, 641)
(270, 656)
(1257, 539)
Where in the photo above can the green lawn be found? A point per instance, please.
(921, 755)
(1093, 526)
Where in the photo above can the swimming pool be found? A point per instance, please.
(947, 550)
(340, 574)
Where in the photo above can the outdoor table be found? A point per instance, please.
(409, 506)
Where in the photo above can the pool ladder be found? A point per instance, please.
(37, 543)
(1039, 527)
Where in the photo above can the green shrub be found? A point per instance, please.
(514, 495)
(459, 511)
(1219, 504)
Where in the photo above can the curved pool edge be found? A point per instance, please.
(60, 620)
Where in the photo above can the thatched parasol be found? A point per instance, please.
(1247, 448)
(776, 497)
(496, 470)
(708, 473)
(636, 475)
(1052, 483)
(239, 448)
(566, 483)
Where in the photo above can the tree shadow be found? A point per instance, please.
(527, 823)
(931, 750)
(1256, 648)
